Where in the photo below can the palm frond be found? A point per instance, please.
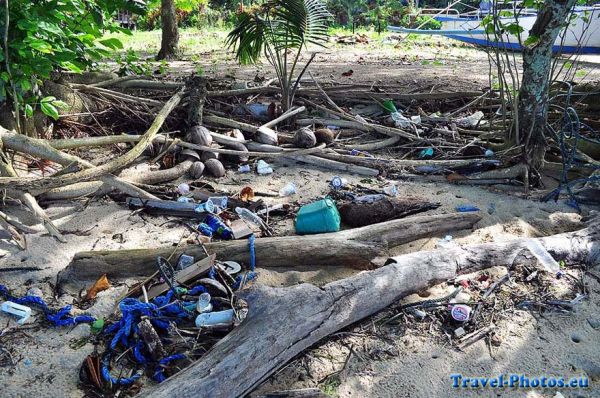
(300, 22)
(248, 38)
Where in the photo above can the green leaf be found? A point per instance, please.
(514, 29)
(112, 43)
(71, 66)
(49, 110)
(41, 46)
(60, 104)
(531, 40)
(28, 110)
(48, 99)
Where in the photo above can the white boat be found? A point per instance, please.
(581, 36)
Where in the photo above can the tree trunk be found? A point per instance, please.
(170, 34)
(533, 94)
(282, 322)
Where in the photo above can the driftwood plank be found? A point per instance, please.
(353, 248)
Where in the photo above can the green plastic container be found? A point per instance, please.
(318, 217)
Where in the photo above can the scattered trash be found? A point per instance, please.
(466, 208)
(445, 243)
(20, 311)
(489, 153)
(338, 182)
(183, 189)
(459, 332)
(218, 227)
(204, 304)
(245, 168)
(400, 120)
(263, 168)
(97, 326)
(251, 217)
(426, 153)
(215, 319)
(491, 208)
(389, 106)
(418, 314)
(288, 190)
(470, 121)
(101, 284)
(206, 207)
(184, 261)
(247, 194)
(391, 190)
(318, 217)
(542, 255)
(356, 152)
(460, 312)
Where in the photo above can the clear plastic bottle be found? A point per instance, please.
(249, 216)
(263, 168)
(204, 304)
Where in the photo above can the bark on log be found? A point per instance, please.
(282, 322)
(353, 248)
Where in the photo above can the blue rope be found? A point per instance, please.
(60, 317)
(251, 275)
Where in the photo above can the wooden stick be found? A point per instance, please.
(116, 94)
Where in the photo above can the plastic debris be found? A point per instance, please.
(426, 153)
(318, 217)
(245, 168)
(220, 201)
(416, 119)
(391, 190)
(217, 318)
(356, 152)
(218, 227)
(445, 243)
(470, 121)
(466, 208)
(288, 190)
(389, 106)
(460, 312)
(22, 312)
(338, 182)
(542, 255)
(97, 326)
(204, 304)
(459, 332)
(489, 153)
(183, 189)
(249, 216)
(369, 198)
(206, 207)
(491, 208)
(184, 261)
(184, 199)
(205, 230)
(263, 168)
(400, 120)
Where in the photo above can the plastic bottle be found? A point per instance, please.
(220, 201)
(204, 304)
(218, 226)
(263, 168)
(206, 207)
(205, 230)
(184, 199)
(249, 216)
(542, 255)
(288, 190)
(208, 319)
(369, 198)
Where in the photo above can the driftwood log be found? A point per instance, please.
(282, 322)
(353, 248)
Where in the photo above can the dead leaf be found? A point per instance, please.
(101, 284)
(455, 177)
(247, 194)
(348, 73)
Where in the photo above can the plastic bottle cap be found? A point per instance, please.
(97, 325)
(461, 312)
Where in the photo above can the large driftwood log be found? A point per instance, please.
(282, 322)
(353, 248)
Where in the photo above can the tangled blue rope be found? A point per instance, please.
(60, 317)
(251, 275)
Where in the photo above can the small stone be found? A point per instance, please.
(496, 341)
(35, 291)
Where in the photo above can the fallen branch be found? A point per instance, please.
(352, 248)
(115, 94)
(282, 322)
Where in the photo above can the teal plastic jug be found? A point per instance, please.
(318, 217)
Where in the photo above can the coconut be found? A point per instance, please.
(238, 146)
(199, 135)
(215, 168)
(324, 135)
(237, 134)
(196, 170)
(190, 154)
(209, 155)
(305, 138)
